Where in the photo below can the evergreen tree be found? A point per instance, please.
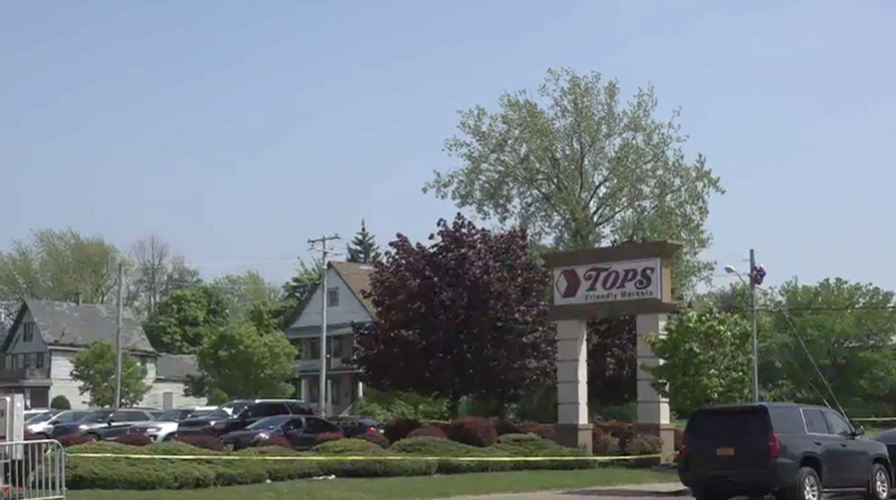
(363, 248)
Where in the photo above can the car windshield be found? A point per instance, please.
(200, 413)
(95, 417)
(170, 416)
(228, 410)
(40, 418)
(270, 422)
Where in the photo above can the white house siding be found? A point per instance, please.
(156, 396)
(19, 346)
(62, 383)
(348, 310)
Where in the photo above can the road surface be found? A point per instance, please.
(641, 492)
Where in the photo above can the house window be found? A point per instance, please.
(39, 363)
(29, 360)
(337, 348)
(29, 332)
(333, 297)
(313, 349)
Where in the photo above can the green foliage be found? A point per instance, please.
(849, 330)
(706, 360)
(182, 322)
(155, 273)
(363, 248)
(385, 406)
(60, 402)
(353, 447)
(306, 278)
(244, 291)
(95, 368)
(576, 166)
(59, 265)
(242, 362)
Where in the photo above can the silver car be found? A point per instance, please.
(165, 425)
(42, 424)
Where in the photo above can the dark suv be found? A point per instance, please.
(792, 451)
(240, 414)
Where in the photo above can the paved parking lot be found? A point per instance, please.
(640, 492)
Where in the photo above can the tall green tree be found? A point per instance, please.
(363, 248)
(245, 291)
(242, 362)
(706, 360)
(59, 265)
(182, 321)
(579, 168)
(848, 330)
(95, 368)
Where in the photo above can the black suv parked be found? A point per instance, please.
(240, 414)
(794, 452)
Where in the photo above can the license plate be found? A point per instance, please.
(725, 452)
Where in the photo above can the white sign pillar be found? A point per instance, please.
(654, 416)
(574, 428)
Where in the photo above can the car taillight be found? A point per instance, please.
(774, 446)
(373, 430)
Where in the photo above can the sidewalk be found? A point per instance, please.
(628, 492)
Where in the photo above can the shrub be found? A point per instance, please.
(399, 428)
(135, 474)
(134, 440)
(426, 446)
(645, 444)
(546, 431)
(60, 402)
(74, 440)
(357, 447)
(605, 445)
(474, 431)
(377, 439)
(532, 445)
(205, 442)
(328, 436)
(506, 427)
(430, 431)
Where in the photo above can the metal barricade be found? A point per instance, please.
(32, 470)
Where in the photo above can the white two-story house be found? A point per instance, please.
(45, 336)
(345, 305)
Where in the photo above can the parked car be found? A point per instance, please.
(42, 425)
(103, 424)
(358, 426)
(792, 451)
(34, 412)
(166, 424)
(240, 414)
(300, 431)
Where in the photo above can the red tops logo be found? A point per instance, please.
(603, 279)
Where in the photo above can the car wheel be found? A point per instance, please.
(808, 486)
(878, 483)
(93, 437)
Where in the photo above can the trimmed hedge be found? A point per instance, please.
(430, 431)
(125, 473)
(474, 431)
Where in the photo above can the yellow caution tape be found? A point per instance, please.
(343, 457)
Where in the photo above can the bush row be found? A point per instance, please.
(83, 472)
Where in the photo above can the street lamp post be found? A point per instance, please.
(756, 275)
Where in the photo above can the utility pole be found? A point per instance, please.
(117, 402)
(323, 390)
(755, 326)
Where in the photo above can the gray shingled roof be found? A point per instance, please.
(176, 366)
(67, 324)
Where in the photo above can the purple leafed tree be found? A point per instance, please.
(464, 316)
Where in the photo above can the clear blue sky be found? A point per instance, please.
(237, 130)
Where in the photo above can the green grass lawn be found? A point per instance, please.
(399, 488)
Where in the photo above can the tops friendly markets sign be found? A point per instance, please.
(608, 282)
